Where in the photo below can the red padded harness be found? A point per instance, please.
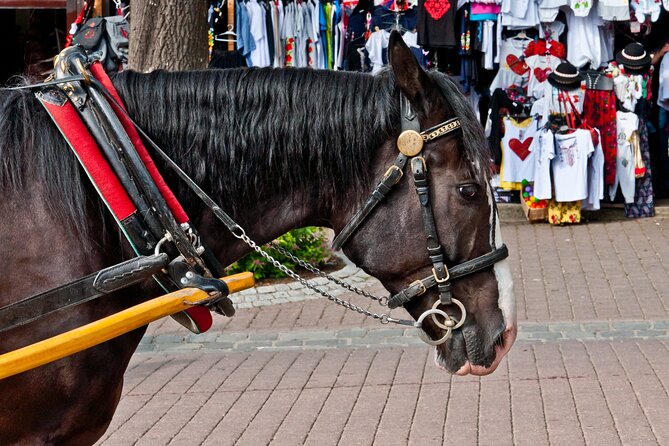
(100, 172)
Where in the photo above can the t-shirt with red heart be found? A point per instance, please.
(516, 155)
(540, 67)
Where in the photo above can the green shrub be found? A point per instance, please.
(308, 244)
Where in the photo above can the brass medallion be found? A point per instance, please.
(410, 143)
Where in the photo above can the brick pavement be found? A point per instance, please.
(590, 366)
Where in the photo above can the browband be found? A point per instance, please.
(390, 179)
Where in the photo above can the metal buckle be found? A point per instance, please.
(389, 173)
(448, 276)
(420, 283)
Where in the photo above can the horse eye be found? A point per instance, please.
(468, 191)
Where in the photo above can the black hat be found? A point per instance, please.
(633, 57)
(565, 77)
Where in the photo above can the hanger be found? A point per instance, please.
(222, 36)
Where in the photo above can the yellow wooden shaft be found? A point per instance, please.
(107, 328)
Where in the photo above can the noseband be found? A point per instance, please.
(410, 144)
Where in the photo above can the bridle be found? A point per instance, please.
(410, 144)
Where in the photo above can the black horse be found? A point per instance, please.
(279, 149)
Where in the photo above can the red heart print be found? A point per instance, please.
(517, 66)
(540, 74)
(522, 149)
(437, 8)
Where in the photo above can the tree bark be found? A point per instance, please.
(168, 34)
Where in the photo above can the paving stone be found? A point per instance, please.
(630, 325)
(263, 336)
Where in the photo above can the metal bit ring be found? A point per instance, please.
(448, 319)
(424, 336)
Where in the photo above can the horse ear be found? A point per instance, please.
(410, 77)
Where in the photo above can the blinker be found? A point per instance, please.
(410, 143)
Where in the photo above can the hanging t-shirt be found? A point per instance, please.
(515, 8)
(581, 7)
(570, 166)
(540, 68)
(646, 8)
(436, 23)
(663, 76)
(595, 178)
(628, 90)
(520, 14)
(614, 10)
(518, 159)
(544, 151)
(259, 56)
(626, 124)
(584, 40)
(553, 103)
(513, 70)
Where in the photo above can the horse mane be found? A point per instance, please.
(474, 143)
(250, 133)
(238, 133)
(32, 150)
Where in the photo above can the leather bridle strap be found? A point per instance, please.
(392, 176)
(419, 287)
(434, 249)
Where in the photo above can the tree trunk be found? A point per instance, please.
(168, 34)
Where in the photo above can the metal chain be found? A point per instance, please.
(383, 318)
(383, 300)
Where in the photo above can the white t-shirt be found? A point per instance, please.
(519, 14)
(614, 10)
(626, 124)
(628, 89)
(518, 159)
(540, 67)
(570, 165)
(511, 52)
(663, 76)
(644, 8)
(259, 56)
(581, 8)
(544, 151)
(584, 40)
(595, 178)
(553, 104)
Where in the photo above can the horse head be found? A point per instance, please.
(390, 243)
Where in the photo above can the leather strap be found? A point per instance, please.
(434, 248)
(82, 290)
(392, 176)
(463, 269)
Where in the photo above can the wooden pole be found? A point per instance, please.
(231, 22)
(107, 328)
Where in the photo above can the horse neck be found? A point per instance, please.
(270, 152)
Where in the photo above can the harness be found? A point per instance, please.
(88, 112)
(410, 144)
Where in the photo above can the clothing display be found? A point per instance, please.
(564, 87)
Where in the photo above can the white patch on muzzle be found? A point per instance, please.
(506, 300)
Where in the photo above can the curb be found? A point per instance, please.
(529, 332)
